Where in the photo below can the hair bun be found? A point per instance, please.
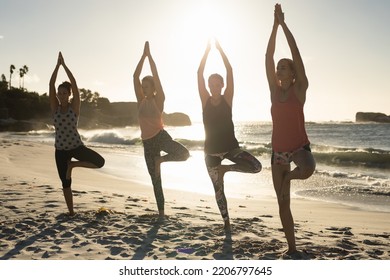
(66, 85)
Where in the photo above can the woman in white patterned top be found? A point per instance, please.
(68, 143)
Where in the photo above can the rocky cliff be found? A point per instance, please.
(116, 114)
(120, 114)
(372, 117)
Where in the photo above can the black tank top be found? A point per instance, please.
(219, 128)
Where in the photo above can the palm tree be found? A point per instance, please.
(21, 74)
(25, 70)
(3, 83)
(11, 70)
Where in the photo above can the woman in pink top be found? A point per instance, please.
(150, 99)
(290, 143)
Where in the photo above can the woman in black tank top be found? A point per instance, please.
(220, 142)
(219, 127)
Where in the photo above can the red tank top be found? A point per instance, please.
(288, 133)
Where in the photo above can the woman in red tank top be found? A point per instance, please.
(288, 86)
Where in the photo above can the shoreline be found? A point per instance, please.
(116, 219)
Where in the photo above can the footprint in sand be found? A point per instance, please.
(203, 207)
(51, 204)
(372, 242)
(133, 199)
(30, 222)
(9, 193)
(171, 254)
(67, 234)
(132, 205)
(207, 219)
(76, 193)
(33, 249)
(55, 247)
(348, 245)
(49, 189)
(180, 208)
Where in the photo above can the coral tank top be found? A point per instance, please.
(288, 130)
(150, 118)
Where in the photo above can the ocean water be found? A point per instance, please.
(353, 161)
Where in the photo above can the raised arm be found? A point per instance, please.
(301, 80)
(203, 92)
(52, 87)
(75, 90)
(136, 78)
(160, 96)
(229, 90)
(269, 57)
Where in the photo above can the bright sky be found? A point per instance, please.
(344, 43)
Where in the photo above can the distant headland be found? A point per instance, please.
(372, 117)
(21, 110)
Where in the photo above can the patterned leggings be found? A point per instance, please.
(152, 148)
(244, 162)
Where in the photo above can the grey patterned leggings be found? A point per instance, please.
(244, 162)
(152, 148)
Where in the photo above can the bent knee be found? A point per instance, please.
(100, 163)
(186, 155)
(255, 168)
(307, 171)
(258, 168)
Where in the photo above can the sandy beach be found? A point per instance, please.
(116, 220)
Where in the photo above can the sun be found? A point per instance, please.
(194, 25)
(203, 21)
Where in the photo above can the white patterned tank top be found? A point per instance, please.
(67, 136)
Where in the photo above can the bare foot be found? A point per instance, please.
(295, 255)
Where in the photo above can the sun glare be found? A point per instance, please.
(204, 22)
